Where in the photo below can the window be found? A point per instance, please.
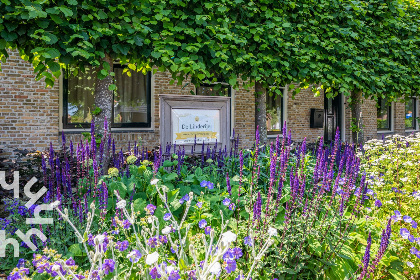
(274, 111)
(383, 115)
(131, 105)
(410, 114)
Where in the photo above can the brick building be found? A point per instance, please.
(32, 116)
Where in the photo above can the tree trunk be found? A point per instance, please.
(104, 99)
(260, 111)
(356, 117)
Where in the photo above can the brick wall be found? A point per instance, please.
(28, 111)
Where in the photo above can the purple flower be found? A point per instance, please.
(413, 250)
(237, 252)
(126, 224)
(163, 239)
(248, 241)
(21, 263)
(397, 217)
(152, 242)
(228, 255)
(199, 204)
(134, 256)
(378, 203)
(414, 224)
(202, 223)
(167, 216)
(407, 219)
(366, 257)
(150, 209)
(174, 275)
(70, 262)
(207, 230)
(184, 198)
(230, 266)
(232, 206)
(226, 201)
(154, 273)
(207, 184)
(108, 266)
(192, 275)
(411, 238)
(122, 245)
(404, 233)
(257, 208)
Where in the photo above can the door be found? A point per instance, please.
(332, 108)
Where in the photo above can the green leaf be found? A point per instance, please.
(72, 2)
(170, 177)
(167, 163)
(66, 11)
(54, 66)
(76, 250)
(396, 274)
(139, 205)
(49, 82)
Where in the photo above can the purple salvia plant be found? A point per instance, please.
(366, 258)
(386, 234)
(257, 208)
(228, 187)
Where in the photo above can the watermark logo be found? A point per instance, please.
(37, 220)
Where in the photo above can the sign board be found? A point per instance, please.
(189, 119)
(192, 125)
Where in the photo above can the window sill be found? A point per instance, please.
(411, 130)
(384, 131)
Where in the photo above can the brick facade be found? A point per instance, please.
(30, 113)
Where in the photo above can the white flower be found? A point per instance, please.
(99, 239)
(228, 237)
(149, 220)
(56, 267)
(272, 231)
(215, 268)
(410, 264)
(55, 204)
(169, 269)
(166, 230)
(121, 204)
(152, 258)
(154, 181)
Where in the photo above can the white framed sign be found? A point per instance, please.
(189, 125)
(185, 118)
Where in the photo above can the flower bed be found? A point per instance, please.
(275, 211)
(392, 166)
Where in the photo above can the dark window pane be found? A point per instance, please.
(274, 112)
(80, 99)
(410, 114)
(130, 98)
(213, 90)
(383, 115)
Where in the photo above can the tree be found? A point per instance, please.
(184, 37)
(363, 49)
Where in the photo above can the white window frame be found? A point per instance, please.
(391, 130)
(417, 115)
(283, 112)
